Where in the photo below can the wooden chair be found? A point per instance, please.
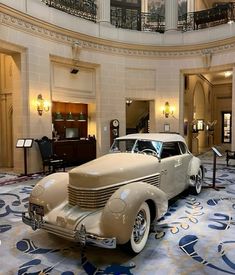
(49, 159)
(229, 155)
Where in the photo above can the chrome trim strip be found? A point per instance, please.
(80, 236)
(86, 238)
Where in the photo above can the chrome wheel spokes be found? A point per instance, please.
(139, 226)
(199, 181)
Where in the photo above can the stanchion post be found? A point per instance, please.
(25, 161)
(216, 154)
(214, 169)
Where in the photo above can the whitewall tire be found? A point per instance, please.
(141, 227)
(196, 189)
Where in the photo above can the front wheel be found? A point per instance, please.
(140, 232)
(197, 187)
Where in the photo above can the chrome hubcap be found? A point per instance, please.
(139, 226)
(199, 181)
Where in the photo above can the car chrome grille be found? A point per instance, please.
(96, 198)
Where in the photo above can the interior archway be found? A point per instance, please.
(199, 115)
(206, 96)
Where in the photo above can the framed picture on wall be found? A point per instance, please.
(166, 127)
(200, 124)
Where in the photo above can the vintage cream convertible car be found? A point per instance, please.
(115, 199)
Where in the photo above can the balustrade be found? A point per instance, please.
(86, 9)
(147, 21)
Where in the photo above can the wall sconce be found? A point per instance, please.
(167, 110)
(228, 73)
(42, 105)
(81, 117)
(128, 101)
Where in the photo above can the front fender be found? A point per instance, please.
(120, 211)
(50, 191)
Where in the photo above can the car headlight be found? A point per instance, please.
(116, 205)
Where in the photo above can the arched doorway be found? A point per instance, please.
(206, 97)
(199, 116)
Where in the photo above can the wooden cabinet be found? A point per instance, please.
(76, 151)
(66, 116)
(71, 131)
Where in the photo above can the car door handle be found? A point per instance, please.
(178, 163)
(164, 172)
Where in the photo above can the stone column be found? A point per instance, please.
(233, 110)
(191, 6)
(103, 11)
(144, 6)
(171, 15)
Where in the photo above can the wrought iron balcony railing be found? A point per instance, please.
(221, 14)
(86, 9)
(133, 19)
(218, 15)
(152, 22)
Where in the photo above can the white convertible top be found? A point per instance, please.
(163, 137)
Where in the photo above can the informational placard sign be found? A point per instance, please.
(24, 143)
(20, 143)
(216, 154)
(28, 143)
(215, 150)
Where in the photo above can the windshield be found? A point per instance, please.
(137, 146)
(126, 145)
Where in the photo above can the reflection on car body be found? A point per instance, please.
(115, 198)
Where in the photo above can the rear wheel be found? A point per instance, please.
(140, 232)
(197, 187)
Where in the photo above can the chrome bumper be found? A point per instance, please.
(80, 236)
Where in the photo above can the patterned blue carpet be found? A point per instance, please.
(196, 236)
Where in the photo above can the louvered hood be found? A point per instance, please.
(111, 169)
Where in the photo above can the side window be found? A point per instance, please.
(183, 148)
(170, 149)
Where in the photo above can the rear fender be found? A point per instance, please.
(50, 191)
(194, 166)
(120, 211)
